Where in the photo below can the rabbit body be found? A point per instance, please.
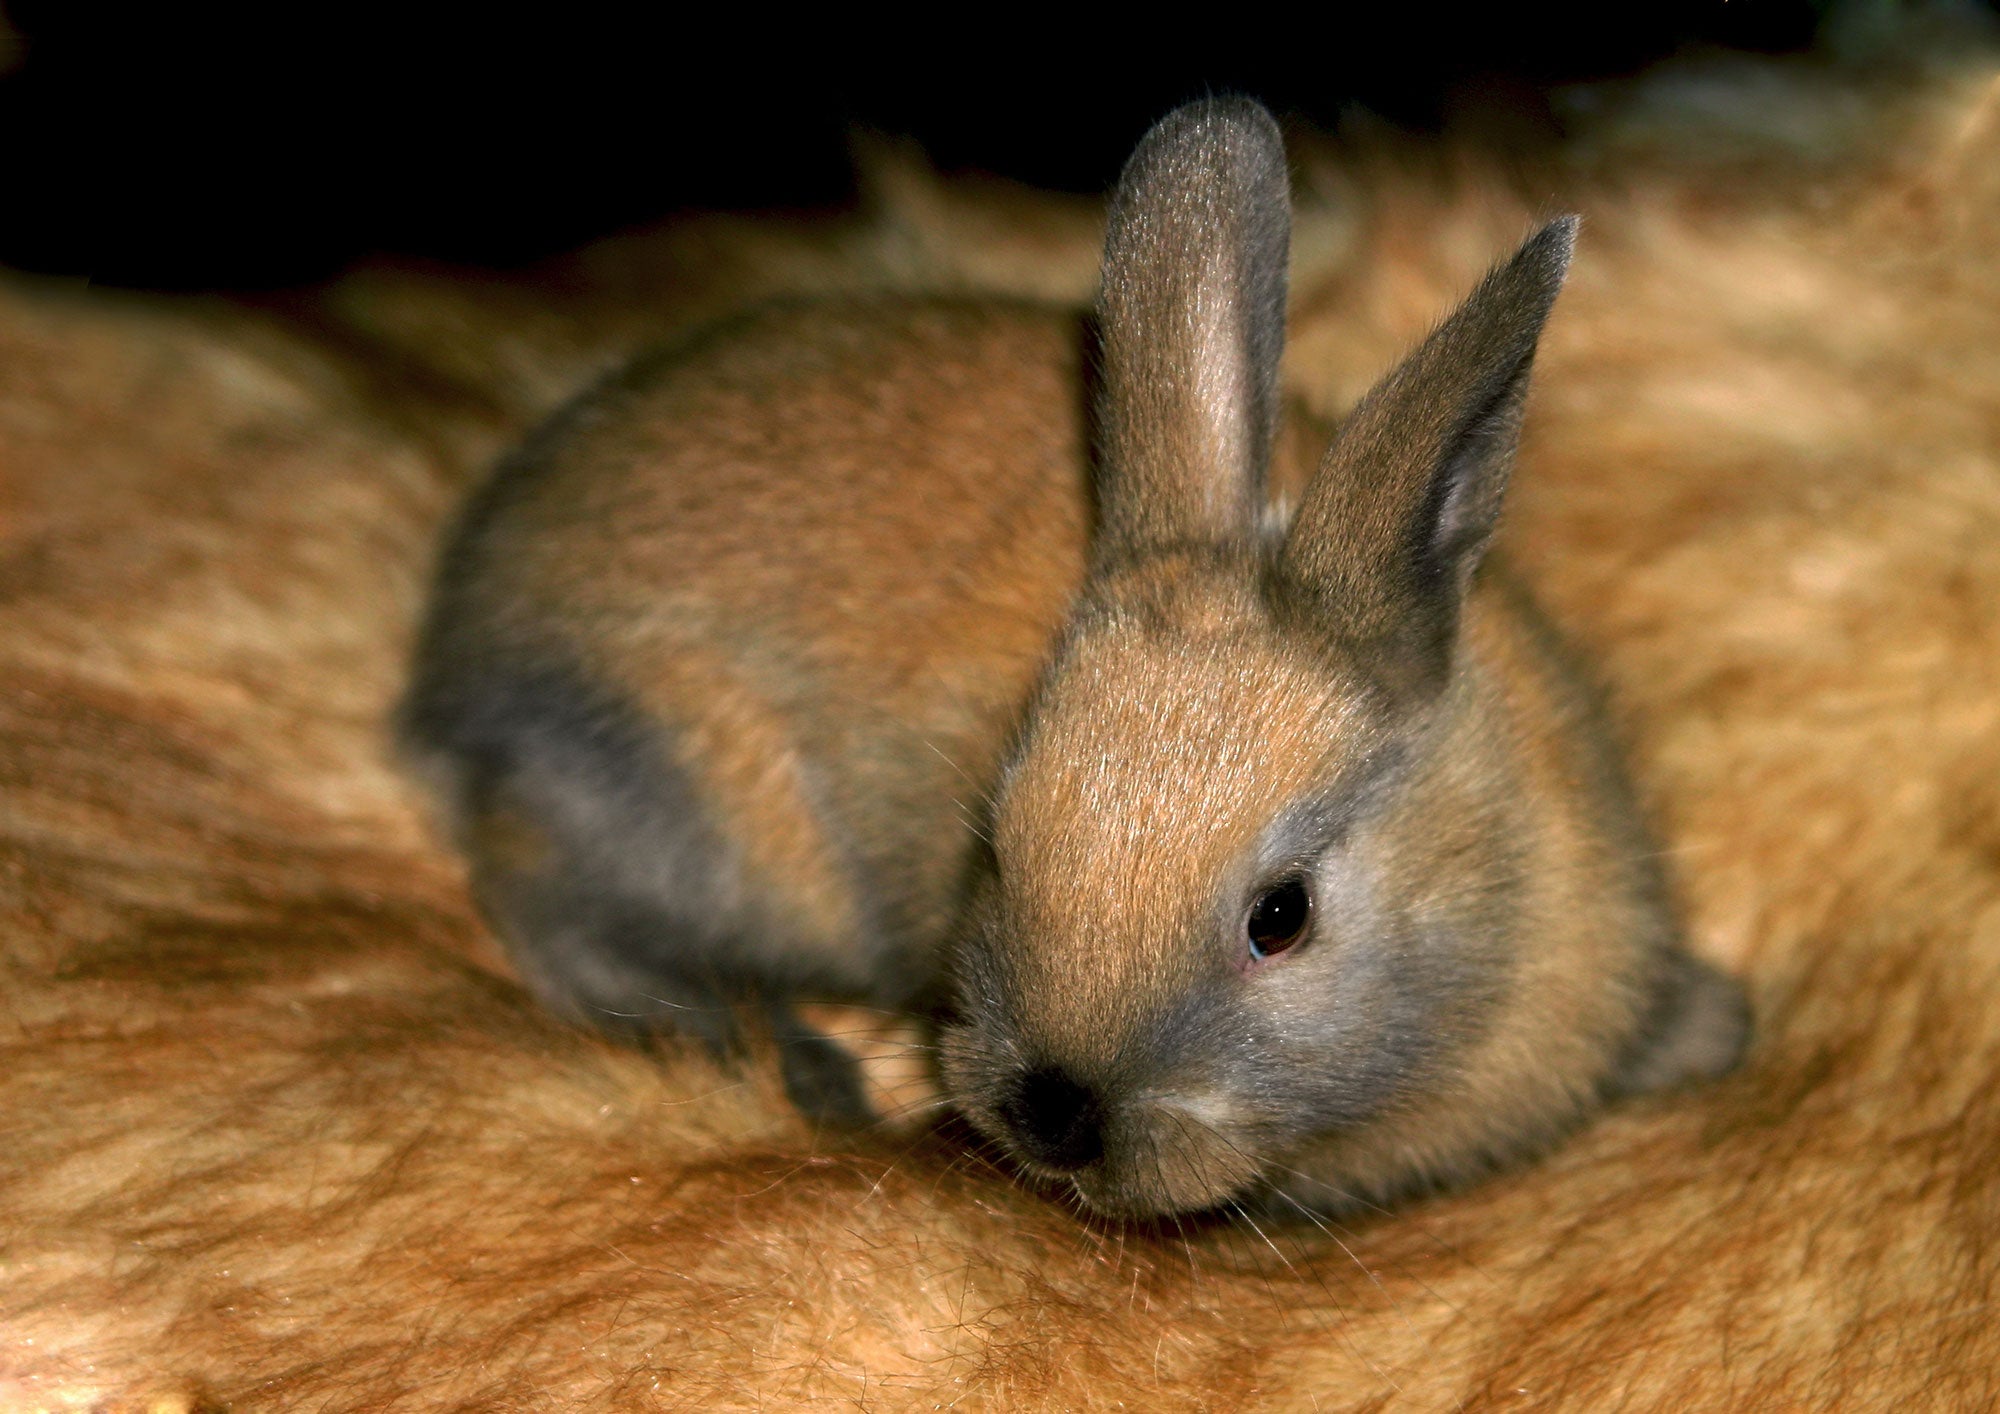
(714, 688)
(1287, 852)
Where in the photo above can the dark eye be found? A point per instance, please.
(1278, 918)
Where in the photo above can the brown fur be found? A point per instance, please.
(832, 659)
(277, 1135)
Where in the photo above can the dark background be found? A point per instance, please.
(182, 148)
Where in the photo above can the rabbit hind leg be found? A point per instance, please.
(623, 902)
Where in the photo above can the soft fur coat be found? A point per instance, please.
(278, 1130)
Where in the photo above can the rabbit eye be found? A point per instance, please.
(1278, 918)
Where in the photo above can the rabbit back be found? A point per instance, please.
(718, 664)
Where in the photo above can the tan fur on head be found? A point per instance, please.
(279, 1133)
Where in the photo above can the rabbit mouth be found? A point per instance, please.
(1131, 1151)
(1167, 1162)
(1151, 1157)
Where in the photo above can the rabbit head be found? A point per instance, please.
(1311, 871)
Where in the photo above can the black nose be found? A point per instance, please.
(1055, 1121)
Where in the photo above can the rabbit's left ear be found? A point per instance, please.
(1191, 322)
(1394, 522)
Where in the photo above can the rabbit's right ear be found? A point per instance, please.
(1191, 322)
(1396, 519)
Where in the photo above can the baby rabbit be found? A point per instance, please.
(1287, 854)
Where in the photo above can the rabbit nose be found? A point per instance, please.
(1055, 1121)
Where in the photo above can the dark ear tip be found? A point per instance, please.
(1230, 120)
(1562, 231)
(1547, 253)
(1240, 111)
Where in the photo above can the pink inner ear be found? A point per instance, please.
(1226, 402)
(1474, 477)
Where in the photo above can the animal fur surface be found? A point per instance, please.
(279, 1130)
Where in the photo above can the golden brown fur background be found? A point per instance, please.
(278, 1131)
